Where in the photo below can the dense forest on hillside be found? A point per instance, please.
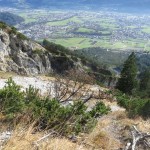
(98, 71)
(10, 18)
(104, 56)
(115, 59)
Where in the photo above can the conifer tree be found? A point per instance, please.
(145, 80)
(145, 83)
(127, 81)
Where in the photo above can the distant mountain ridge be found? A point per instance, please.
(90, 4)
(10, 18)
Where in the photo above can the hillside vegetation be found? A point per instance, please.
(114, 58)
(10, 18)
(135, 97)
(48, 113)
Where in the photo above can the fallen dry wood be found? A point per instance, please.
(138, 137)
(45, 137)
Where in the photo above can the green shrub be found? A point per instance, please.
(65, 119)
(31, 95)
(63, 54)
(84, 61)
(123, 100)
(13, 30)
(2, 25)
(74, 58)
(146, 109)
(49, 113)
(55, 48)
(99, 110)
(135, 106)
(11, 99)
(38, 51)
(21, 36)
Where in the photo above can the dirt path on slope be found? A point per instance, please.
(106, 135)
(113, 131)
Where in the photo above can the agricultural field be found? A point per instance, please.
(79, 43)
(146, 30)
(64, 22)
(88, 29)
(74, 43)
(85, 30)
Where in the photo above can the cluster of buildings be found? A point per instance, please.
(119, 25)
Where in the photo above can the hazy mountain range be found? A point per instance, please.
(80, 4)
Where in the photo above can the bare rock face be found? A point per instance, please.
(4, 137)
(21, 56)
(24, 56)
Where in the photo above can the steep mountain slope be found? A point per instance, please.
(16, 54)
(24, 56)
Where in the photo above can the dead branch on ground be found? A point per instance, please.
(138, 138)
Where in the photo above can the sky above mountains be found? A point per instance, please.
(80, 4)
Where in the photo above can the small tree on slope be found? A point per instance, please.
(128, 82)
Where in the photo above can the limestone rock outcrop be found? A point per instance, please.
(28, 57)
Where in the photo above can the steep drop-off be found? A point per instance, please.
(23, 56)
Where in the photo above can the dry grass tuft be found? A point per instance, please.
(60, 144)
(22, 139)
(6, 75)
(123, 120)
(119, 115)
(2, 117)
(105, 135)
(104, 141)
(111, 133)
(101, 138)
(26, 140)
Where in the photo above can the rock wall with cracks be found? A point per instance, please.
(28, 57)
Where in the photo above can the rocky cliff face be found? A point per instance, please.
(16, 55)
(23, 56)
(27, 57)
